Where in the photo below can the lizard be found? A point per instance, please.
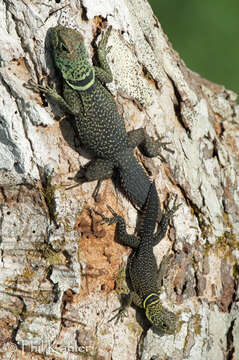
(141, 266)
(100, 127)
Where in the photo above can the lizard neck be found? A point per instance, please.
(83, 84)
(152, 298)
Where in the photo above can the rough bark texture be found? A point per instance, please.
(61, 271)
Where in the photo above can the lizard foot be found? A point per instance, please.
(170, 212)
(147, 144)
(102, 47)
(122, 311)
(45, 89)
(121, 314)
(79, 178)
(107, 220)
(163, 145)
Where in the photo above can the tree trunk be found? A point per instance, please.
(61, 270)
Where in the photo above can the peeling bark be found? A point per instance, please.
(61, 270)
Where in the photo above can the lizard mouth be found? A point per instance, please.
(161, 318)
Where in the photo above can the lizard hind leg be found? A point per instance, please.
(147, 145)
(98, 169)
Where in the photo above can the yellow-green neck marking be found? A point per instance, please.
(152, 298)
(83, 84)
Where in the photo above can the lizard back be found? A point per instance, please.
(143, 266)
(100, 126)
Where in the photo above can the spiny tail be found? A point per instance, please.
(150, 214)
(133, 179)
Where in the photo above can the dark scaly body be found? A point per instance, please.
(102, 132)
(100, 126)
(144, 279)
(144, 282)
(101, 129)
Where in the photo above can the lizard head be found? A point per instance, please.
(159, 316)
(71, 57)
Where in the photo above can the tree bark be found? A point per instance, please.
(61, 270)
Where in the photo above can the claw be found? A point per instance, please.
(31, 85)
(98, 213)
(122, 313)
(106, 220)
(95, 194)
(48, 90)
(67, 187)
(112, 211)
(164, 144)
(101, 215)
(103, 41)
(175, 207)
(107, 33)
(161, 158)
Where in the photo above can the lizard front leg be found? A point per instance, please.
(163, 225)
(52, 93)
(103, 73)
(122, 236)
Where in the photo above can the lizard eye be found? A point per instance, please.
(63, 48)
